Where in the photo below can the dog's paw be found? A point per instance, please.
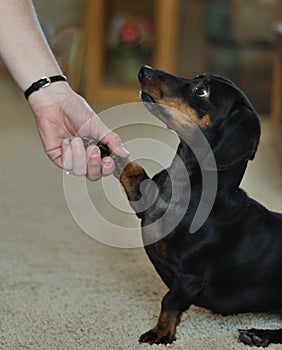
(153, 337)
(254, 337)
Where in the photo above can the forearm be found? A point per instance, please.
(23, 47)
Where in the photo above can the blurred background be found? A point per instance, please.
(101, 44)
(60, 288)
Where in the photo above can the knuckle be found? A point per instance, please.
(94, 177)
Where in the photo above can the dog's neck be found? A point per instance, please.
(229, 179)
(188, 158)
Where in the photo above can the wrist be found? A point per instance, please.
(43, 83)
(52, 94)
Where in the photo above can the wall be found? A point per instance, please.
(55, 14)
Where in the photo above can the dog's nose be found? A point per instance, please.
(146, 72)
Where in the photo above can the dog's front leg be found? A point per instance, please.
(173, 304)
(131, 175)
(140, 190)
(164, 331)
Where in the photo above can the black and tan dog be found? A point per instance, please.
(233, 263)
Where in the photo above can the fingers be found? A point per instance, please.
(66, 155)
(106, 136)
(114, 143)
(89, 162)
(94, 163)
(108, 166)
(78, 157)
(97, 167)
(74, 156)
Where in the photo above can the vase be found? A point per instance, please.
(129, 68)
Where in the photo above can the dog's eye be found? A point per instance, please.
(202, 91)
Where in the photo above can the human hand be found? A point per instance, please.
(63, 117)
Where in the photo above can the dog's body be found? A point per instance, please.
(233, 262)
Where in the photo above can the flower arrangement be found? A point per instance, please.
(132, 35)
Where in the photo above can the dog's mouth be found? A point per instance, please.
(146, 98)
(148, 78)
(155, 108)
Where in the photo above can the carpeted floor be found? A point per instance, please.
(61, 289)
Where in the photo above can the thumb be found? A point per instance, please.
(114, 143)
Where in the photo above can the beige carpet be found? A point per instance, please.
(60, 289)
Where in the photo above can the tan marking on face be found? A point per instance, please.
(207, 121)
(154, 88)
(154, 92)
(187, 116)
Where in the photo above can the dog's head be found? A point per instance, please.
(212, 103)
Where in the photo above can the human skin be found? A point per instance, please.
(62, 116)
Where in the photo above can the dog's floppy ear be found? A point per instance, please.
(236, 140)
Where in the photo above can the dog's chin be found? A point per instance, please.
(156, 109)
(146, 98)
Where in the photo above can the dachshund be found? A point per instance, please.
(232, 263)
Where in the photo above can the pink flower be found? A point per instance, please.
(129, 34)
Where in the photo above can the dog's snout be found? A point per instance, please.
(146, 73)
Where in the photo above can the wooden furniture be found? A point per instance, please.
(277, 93)
(95, 89)
(231, 38)
(68, 45)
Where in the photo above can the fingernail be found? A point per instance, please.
(66, 141)
(125, 150)
(76, 141)
(108, 163)
(94, 152)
